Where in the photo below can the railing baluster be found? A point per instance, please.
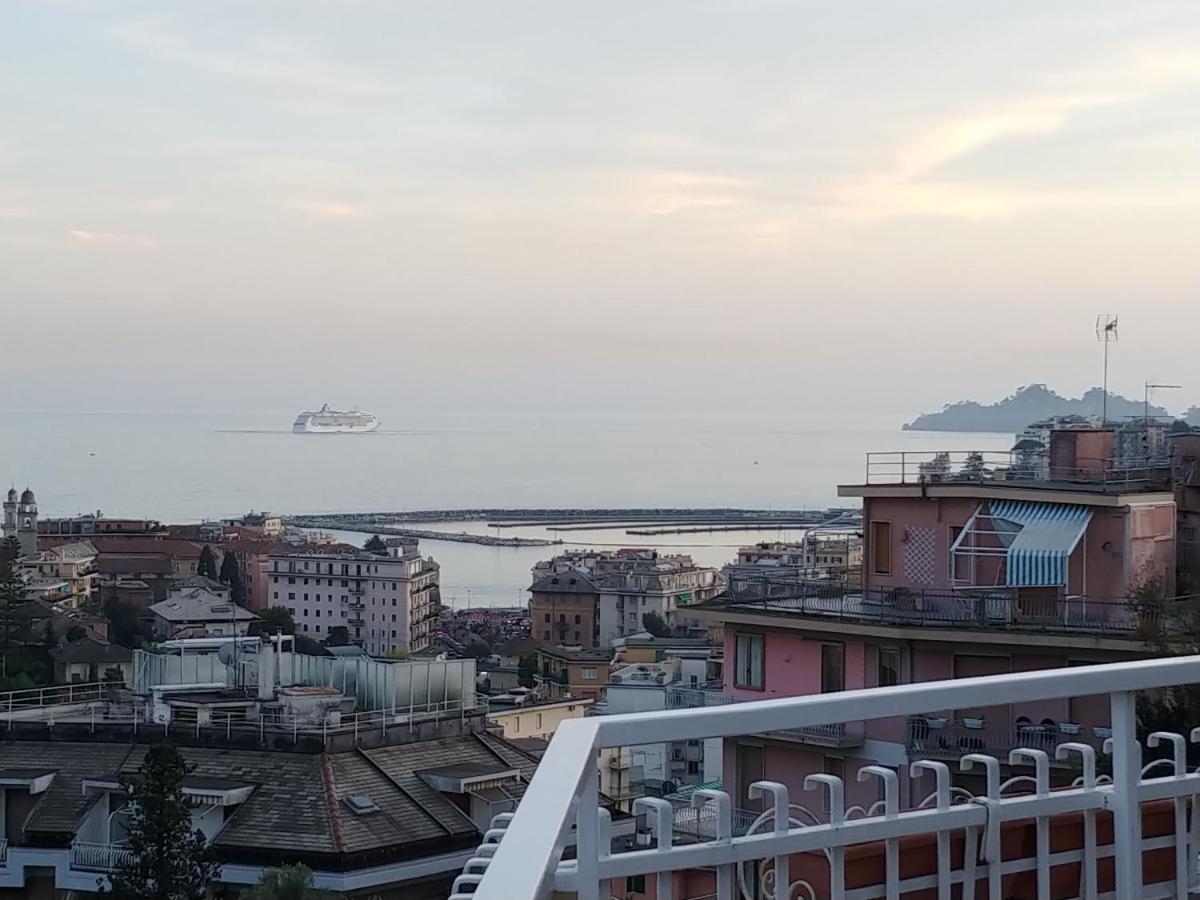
(782, 821)
(942, 773)
(586, 830)
(1179, 766)
(1041, 763)
(1126, 769)
(1087, 868)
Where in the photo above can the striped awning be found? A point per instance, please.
(1046, 535)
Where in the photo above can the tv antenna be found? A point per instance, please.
(1150, 386)
(1106, 333)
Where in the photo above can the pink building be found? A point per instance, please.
(971, 567)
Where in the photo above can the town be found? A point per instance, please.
(333, 712)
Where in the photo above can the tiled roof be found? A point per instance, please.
(90, 650)
(299, 806)
(571, 582)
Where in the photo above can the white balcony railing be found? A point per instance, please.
(522, 855)
(97, 857)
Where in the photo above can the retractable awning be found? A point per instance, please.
(1048, 534)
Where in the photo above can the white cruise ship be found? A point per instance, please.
(331, 421)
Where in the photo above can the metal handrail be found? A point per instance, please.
(564, 791)
(991, 608)
(985, 466)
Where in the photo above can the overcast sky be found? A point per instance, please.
(726, 203)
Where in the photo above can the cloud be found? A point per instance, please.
(109, 238)
(271, 64)
(325, 209)
(665, 193)
(911, 186)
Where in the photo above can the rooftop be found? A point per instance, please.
(199, 605)
(1099, 481)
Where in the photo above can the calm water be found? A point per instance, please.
(188, 467)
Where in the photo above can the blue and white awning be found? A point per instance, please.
(1046, 535)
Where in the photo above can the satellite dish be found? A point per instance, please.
(226, 653)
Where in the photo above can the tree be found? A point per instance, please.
(339, 636)
(12, 595)
(286, 883)
(232, 576)
(276, 619)
(375, 544)
(208, 563)
(656, 624)
(527, 670)
(168, 859)
(126, 626)
(397, 653)
(477, 649)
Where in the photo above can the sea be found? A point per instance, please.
(189, 466)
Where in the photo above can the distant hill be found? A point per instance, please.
(1028, 405)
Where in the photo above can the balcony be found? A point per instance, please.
(1016, 468)
(1137, 818)
(357, 587)
(940, 735)
(835, 735)
(987, 609)
(97, 857)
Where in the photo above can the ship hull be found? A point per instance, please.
(307, 426)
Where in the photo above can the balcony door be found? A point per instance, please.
(748, 761)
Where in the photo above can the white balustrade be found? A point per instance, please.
(523, 855)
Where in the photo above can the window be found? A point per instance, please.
(547, 617)
(635, 884)
(291, 581)
(274, 595)
(538, 720)
(889, 666)
(833, 670)
(577, 637)
(748, 661)
(881, 548)
(291, 595)
(578, 620)
(589, 672)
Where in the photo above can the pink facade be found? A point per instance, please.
(1122, 546)
(792, 666)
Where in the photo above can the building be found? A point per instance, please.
(90, 659)
(263, 523)
(386, 603)
(153, 558)
(971, 569)
(650, 673)
(200, 612)
(590, 599)
(285, 770)
(564, 608)
(823, 552)
(52, 532)
(643, 583)
(535, 720)
(573, 672)
(72, 564)
(21, 519)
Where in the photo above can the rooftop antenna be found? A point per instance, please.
(1106, 333)
(1150, 386)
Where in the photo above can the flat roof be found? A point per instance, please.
(1057, 492)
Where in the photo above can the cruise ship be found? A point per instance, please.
(331, 421)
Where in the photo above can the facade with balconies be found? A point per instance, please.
(385, 603)
(973, 566)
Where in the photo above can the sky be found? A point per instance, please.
(710, 206)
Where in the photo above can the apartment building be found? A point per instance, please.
(385, 603)
(642, 583)
(69, 571)
(971, 568)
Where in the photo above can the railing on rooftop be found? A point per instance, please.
(984, 608)
(14, 702)
(269, 727)
(942, 735)
(523, 854)
(1015, 466)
